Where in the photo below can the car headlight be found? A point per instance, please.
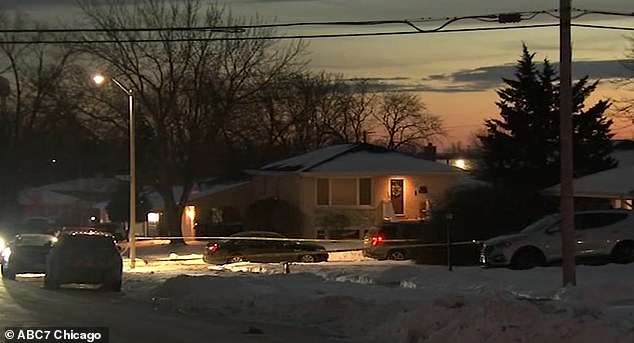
(6, 253)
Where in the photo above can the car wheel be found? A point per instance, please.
(623, 252)
(7, 273)
(396, 255)
(114, 285)
(235, 259)
(307, 258)
(527, 259)
(50, 282)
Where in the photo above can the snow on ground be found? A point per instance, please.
(387, 301)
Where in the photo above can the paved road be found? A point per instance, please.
(26, 303)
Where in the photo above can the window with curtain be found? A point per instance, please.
(344, 192)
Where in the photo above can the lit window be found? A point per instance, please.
(344, 192)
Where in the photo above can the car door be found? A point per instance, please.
(596, 231)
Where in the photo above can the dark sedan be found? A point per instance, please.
(262, 246)
(26, 253)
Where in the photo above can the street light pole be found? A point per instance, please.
(99, 79)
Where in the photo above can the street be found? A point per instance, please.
(27, 303)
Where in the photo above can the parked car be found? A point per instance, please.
(26, 253)
(600, 233)
(118, 230)
(395, 240)
(262, 246)
(89, 257)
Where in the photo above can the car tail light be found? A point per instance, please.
(212, 248)
(377, 239)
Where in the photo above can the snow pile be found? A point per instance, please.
(388, 301)
(393, 305)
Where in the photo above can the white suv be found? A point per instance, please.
(608, 233)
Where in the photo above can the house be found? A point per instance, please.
(343, 190)
(70, 202)
(613, 188)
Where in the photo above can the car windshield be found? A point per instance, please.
(34, 240)
(542, 224)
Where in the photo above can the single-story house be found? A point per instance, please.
(609, 188)
(612, 188)
(349, 188)
(70, 202)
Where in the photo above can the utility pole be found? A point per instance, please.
(566, 138)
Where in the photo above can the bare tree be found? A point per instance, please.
(403, 123)
(36, 117)
(189, 85)
(624, 108)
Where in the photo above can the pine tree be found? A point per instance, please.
(522, 148)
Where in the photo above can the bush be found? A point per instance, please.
(485, 212)
(461, 255)
(274, 214)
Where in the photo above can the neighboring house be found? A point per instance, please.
(212, 203)
(359, 185)
(612, 188)
(70, 202)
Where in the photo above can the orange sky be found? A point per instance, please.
(440, 65)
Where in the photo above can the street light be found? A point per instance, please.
(100, 79)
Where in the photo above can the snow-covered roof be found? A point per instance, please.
(357, 159)
(200, 190)
(217, 188)
(38, 196)
(611, 183)
(69, 192)
(309, 159)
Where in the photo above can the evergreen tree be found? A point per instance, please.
(522, 148)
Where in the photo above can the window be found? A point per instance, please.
(323, 192)
(597, 220)
(344, 192)
(365, 191)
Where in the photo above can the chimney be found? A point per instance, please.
(429, 152)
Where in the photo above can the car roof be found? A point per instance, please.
(258, 234)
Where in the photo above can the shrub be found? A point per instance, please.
(274, 214)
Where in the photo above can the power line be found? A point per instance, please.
(496, 17)
(506, 18)
(603, 27)
(620, 14)
(305, 36)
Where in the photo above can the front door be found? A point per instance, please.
(397, 194)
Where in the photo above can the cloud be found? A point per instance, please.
(490, 77)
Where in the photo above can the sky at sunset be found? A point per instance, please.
(455, 73)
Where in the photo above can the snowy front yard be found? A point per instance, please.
(372, 301)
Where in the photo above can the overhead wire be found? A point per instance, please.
(510, 19)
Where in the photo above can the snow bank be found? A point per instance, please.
(387, 301)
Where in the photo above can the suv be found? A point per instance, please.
(26, 253)
(394, 240)
(600, 233)
(84, 257)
